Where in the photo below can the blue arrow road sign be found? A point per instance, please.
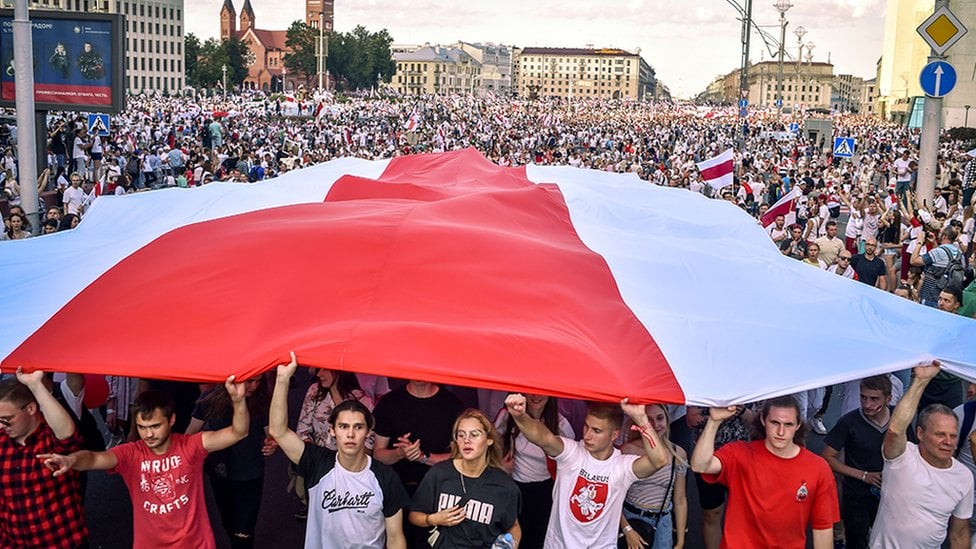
(844, 147)
(743, 103)
(937, 78)
(794, 127)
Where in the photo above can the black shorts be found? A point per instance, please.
(710, 496)
(96, 156)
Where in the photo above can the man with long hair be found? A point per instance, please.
(775, 473)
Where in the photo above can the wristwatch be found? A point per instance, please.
(425, 459)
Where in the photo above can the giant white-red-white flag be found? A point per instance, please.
(785, 206)
(448, 268)
(717, 171)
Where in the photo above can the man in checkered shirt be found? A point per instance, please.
(37, 509)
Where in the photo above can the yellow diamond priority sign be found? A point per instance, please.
(942, 30)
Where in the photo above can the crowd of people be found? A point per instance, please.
(408, 463)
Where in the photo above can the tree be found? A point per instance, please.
(235, 52)
(191, 53)
(208, 59)
(301, 39)
(354, 58)
(359, 56)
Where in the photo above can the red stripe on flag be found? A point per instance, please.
(448, 268)
(717, 171)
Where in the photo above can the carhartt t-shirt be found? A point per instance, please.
(348, 509)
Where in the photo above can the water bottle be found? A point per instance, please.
(504, 541)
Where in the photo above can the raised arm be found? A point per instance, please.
(240, 423)
(655, 454)
(534, 430)
(57, 418)
(703, 458)
(897, 436)
(289, 442)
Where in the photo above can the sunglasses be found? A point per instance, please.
(842, 258)
(7, 421)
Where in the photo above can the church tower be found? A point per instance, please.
(228, 20)
(247, 16)
(312, 10)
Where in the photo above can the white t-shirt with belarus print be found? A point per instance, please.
(588, 497)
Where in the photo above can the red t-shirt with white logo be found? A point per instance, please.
(773, 499)
(588, 497)
(168, 505)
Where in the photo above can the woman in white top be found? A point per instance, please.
(659, 501)
(531, 469)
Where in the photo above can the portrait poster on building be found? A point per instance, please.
(74, 61)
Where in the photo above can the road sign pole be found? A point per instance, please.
(928, 150)
(24, 90)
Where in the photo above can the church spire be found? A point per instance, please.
(247, 16)
(228, 20)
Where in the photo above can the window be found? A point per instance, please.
(142, 13)
(143, 64)
(142, 26)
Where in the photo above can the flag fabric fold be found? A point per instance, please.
(445, 267)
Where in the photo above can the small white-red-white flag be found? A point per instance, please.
(717, 171)
(785, 206)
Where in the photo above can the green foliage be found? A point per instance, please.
(301, 39)
(353, 60)
(191, 54)
(203, 62)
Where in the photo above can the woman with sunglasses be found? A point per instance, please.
(468, 501)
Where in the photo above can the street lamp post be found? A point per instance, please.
(223, 69)
(966, 123)
(325, 27)
(782, 6)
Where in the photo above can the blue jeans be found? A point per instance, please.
(662, 534)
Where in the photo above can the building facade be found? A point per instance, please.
(267, 48)
(869, 93)
(496, 66)
(436, 70)
(845, 94)
(153, 38)
(605, 73)
(805, 85)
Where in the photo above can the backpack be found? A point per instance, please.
(952, 274)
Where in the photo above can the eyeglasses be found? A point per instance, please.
(7, 421)
(469, 435)
(843, 258)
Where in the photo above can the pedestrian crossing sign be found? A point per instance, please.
(844, 147)
(98, 124)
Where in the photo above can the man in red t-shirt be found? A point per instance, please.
(164, 470)
(776, 487)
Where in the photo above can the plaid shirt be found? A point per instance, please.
(38, 509)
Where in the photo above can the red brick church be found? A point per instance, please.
(266, 59)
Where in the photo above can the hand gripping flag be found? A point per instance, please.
(448, 268)
(717, 171)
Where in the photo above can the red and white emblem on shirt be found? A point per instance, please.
(588, 500)
(801, 493)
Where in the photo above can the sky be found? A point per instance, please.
(687, 42)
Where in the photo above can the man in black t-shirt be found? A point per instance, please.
(869, 267)
(860, 435)
(413, 432)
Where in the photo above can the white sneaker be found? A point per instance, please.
(818, 426)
